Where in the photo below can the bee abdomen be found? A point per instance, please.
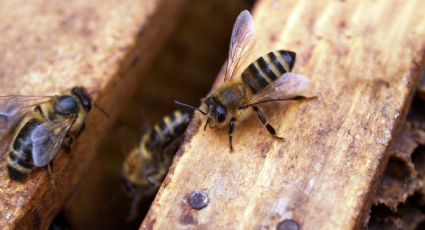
(168, 129)
(19, 161)
(18, 168)
(268, 68)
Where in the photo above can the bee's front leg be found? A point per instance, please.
(206, 123)
(83, 126)
(231, 129)
(69, 138)
(67, 142)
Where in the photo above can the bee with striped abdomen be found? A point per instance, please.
(267, 79)
(146, 165)
(46, 124)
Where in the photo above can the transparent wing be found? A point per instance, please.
(13, 108)
(47, 139)
(242, 33)
(287, 86)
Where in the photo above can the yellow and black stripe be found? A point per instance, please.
(267, 69)
(167, 130)
(19, 161)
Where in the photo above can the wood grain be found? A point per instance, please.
(48, 46)
(363, 59)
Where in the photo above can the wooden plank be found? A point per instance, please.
(362, 57)
(48, 46)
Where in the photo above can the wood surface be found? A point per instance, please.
(363, 58)
(49, 46)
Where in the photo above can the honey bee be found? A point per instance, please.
(267, 79)
(146, 165)
(46, 124)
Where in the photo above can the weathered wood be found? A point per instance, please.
(47, 46)
(362, 57)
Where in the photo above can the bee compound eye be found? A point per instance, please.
(151, 181)
(127, 186)
(83, 97)
(87, 105)
(221, 114)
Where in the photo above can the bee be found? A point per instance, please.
(46, 123)
(146, 165)
(267, 79)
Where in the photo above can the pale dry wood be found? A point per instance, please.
(362, 57)
(48, 46)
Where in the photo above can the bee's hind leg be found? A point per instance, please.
(268, 126)
(50, 167)
(50, 172)
(231, 129)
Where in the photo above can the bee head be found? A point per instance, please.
(138, 173)
(216, 111)
(144, 183)
(83, 97)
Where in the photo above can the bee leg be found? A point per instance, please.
(231, 129)
(263, 120)
(206, 123)
(50, 167)
(134, 210)
(67, 142)
(83, 126)
(50, 172)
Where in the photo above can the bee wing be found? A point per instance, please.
(287, 86)
(13, 108)
(242, 33)
(47, 140)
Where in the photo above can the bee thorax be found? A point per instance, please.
(232, 96)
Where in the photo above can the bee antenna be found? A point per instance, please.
(190, 107)
(102, 111)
